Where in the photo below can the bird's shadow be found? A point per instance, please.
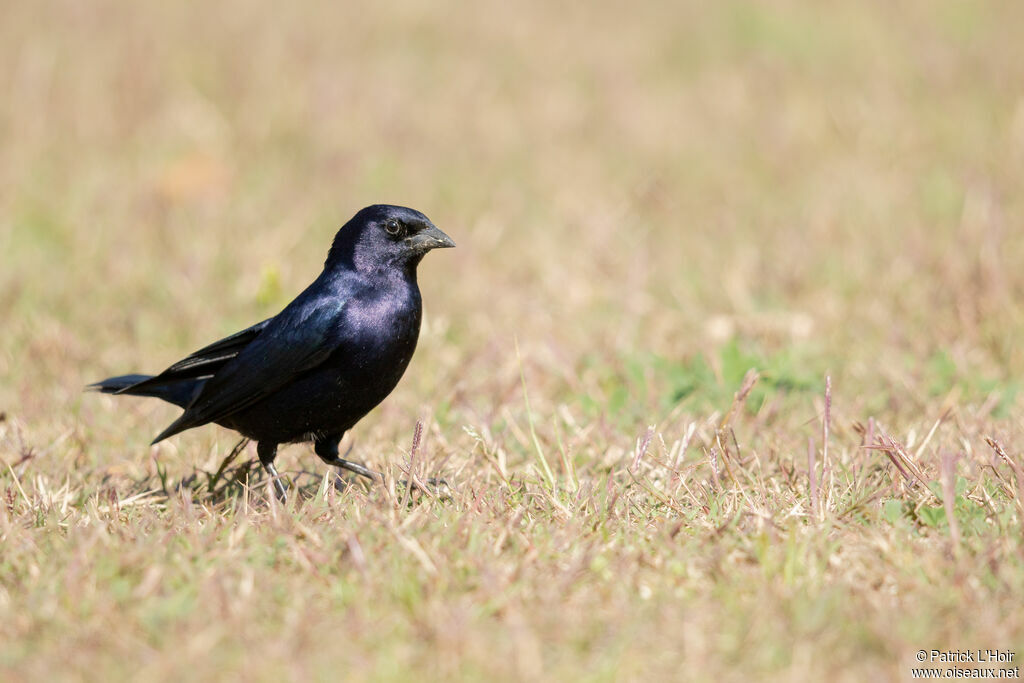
(234, 479)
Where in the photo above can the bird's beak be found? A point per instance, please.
(428, 239)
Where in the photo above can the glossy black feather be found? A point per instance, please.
(203, 363)
(179, 393)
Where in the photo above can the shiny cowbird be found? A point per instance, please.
(316, 368)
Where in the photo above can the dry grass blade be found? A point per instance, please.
(739, 398)
(899, 456)
(948, 465)
(1015, 467)
(812, 477)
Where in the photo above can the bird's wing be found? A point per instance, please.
(294, 342)
(203, 363)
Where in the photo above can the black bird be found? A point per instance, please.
(316, 368)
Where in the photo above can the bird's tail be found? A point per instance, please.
(179, 392)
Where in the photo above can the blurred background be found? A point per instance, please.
(633, 188)
(648, 198)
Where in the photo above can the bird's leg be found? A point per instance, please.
(267, 452)
(327, 449)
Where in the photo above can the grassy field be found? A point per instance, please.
(675, 220)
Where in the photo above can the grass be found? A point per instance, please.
(724, 372)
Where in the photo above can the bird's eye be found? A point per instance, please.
(393, 227)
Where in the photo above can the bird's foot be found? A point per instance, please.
(279, 489)
(328, 452)
(280, 492)
(435, 487)
(355, 467)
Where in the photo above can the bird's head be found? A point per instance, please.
(383, 236)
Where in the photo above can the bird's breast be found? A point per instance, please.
(384, 322)
(379, 337)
